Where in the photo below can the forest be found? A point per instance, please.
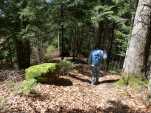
(46, 56)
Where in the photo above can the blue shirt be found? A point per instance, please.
(95, 57)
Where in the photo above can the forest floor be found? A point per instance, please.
(71, 94)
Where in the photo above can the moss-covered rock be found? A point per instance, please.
(41, 72)
(47, 71)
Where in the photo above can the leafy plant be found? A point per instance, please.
(27, 86)
(64, 66)
(3, 105)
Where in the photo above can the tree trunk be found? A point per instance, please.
(110, 45)
(75, 43)
(135, 54)
(99, 35)
(147, 55)
(148, 65)
(149, 85)
(23, 53)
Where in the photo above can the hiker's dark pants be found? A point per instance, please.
(95, 74)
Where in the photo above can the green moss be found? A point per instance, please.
(47, 71)
(42, 73)
(132, 81)
(39, 70)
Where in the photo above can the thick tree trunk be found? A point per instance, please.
(149, 85)
(23, 53)
(75, 44)
(148, 65)
(99, 31)
(35, 55)
(37, 52)
(147, 56)
(135, 54)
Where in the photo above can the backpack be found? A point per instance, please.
(97, 57)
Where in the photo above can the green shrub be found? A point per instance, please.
(38, 71)
(26, 86)
(3, 104)
(64, 66)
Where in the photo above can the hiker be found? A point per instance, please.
(95, 59)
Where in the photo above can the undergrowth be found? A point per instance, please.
(46, 72)
(132, 81)
(26, 86)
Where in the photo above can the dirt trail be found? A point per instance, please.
(74, 94)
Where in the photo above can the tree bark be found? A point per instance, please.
(148, 65)
(23, 53)
(134, 60)
(147, 55)
(149, 74)
(99, 30)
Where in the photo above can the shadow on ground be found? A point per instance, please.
(59, 82)
(37, 96)
(114, 107)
